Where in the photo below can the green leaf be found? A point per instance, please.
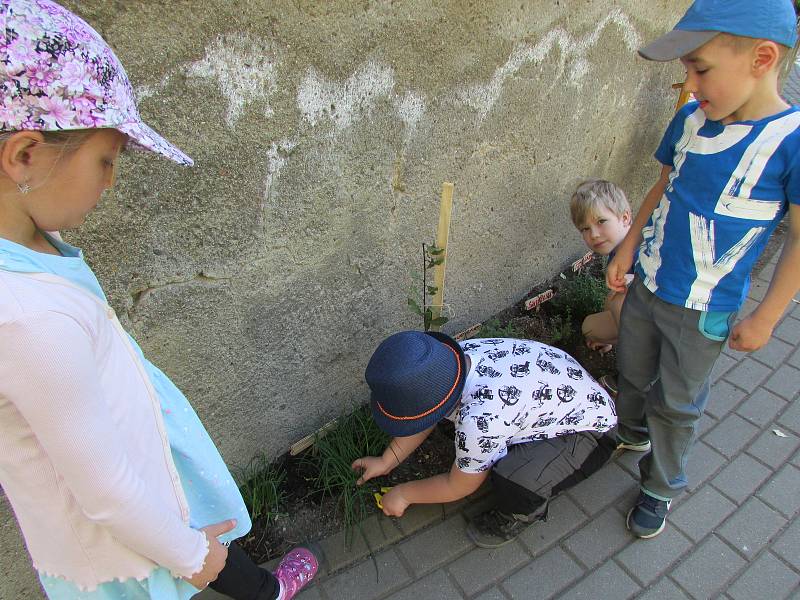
(432, 289)
(435, 251)
(414, 306)
(439, 321)
(437, 261)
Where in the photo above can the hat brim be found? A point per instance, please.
(142, 137)
(675, 44)
(404, 428)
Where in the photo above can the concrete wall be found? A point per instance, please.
(262, 279)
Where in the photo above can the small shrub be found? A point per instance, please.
(493, 328)
(562, 329)
(432, 256)
(354, 436)
(261, 486)
(582, 295)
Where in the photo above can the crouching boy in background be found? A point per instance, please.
(525, 412)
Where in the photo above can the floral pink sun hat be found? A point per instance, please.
(57, 73)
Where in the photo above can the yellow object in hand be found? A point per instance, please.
(379, 496)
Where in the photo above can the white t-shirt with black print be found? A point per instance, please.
(521, 390)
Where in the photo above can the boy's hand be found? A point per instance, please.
(216, 557)
(617, 271)
(370, 466)
(749, 334)
(394, 504)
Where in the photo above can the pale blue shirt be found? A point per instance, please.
(210, 490)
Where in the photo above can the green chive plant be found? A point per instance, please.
(354, 436)
(261, 486)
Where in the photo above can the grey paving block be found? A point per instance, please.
(758, 287)
(544, 577)
(436, 585)
(602, 488)
(788, 331)
(491, 594)
(774, 353)
(479, 568)
(731, 435)
(601, 537)
(794, 359)
(724, 397)
(741, 478)
(419, 516)
(609, 581)
(791, 417)
(748, 374)
(782, 492)
(785, 382)
(309, 593)
(629, 460)
(701, 513)
(788, 544)
(772, 449)
(437, 545)
(767, 577)
(647, 560)
(761, 407)
(342, 549)
(751, 527)
(564, 516)
(708, 569)
(723, 364)
(703, 462)
(380, 531)
(663, 590)
(706, 423)
(362, 581)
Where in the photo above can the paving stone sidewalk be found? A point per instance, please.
(735, 535)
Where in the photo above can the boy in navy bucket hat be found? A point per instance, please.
(730, 172)
(525, 412)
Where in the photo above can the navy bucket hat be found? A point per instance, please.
(773, 20)
(415, 378)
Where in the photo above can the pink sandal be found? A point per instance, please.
(296, 569)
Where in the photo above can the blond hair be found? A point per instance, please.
(594, 193)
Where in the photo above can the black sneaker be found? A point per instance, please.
(492, 529)
(648, 517)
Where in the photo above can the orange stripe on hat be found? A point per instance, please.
(446, 398)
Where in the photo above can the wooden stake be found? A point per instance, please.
(683, 98)
(442, 235)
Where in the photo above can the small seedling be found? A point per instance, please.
(582, 295)
(261, 486)
(432, 256)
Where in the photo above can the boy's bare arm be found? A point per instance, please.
(623, 257)
(755, 330)
(446, 487)
(397, 451)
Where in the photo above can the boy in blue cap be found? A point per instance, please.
(731, 171)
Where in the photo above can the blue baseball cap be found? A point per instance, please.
(773, 20)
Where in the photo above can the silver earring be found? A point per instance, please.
(23, 187)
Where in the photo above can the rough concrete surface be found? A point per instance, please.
(262, 279)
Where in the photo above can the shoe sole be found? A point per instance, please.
(643, 537)
(635, 447)
(475, 537)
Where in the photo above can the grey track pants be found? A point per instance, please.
(665, 364)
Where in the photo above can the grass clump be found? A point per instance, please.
(261, 486)
(493, 328)
(354, 436)
(580, 297)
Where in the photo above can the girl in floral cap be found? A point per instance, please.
(117, 487)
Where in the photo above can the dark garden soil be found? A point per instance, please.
(308, 516)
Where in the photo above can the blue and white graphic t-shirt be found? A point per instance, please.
(730, 187)
(519, 391)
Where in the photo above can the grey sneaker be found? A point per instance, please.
(492, 529)
(648, 517)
